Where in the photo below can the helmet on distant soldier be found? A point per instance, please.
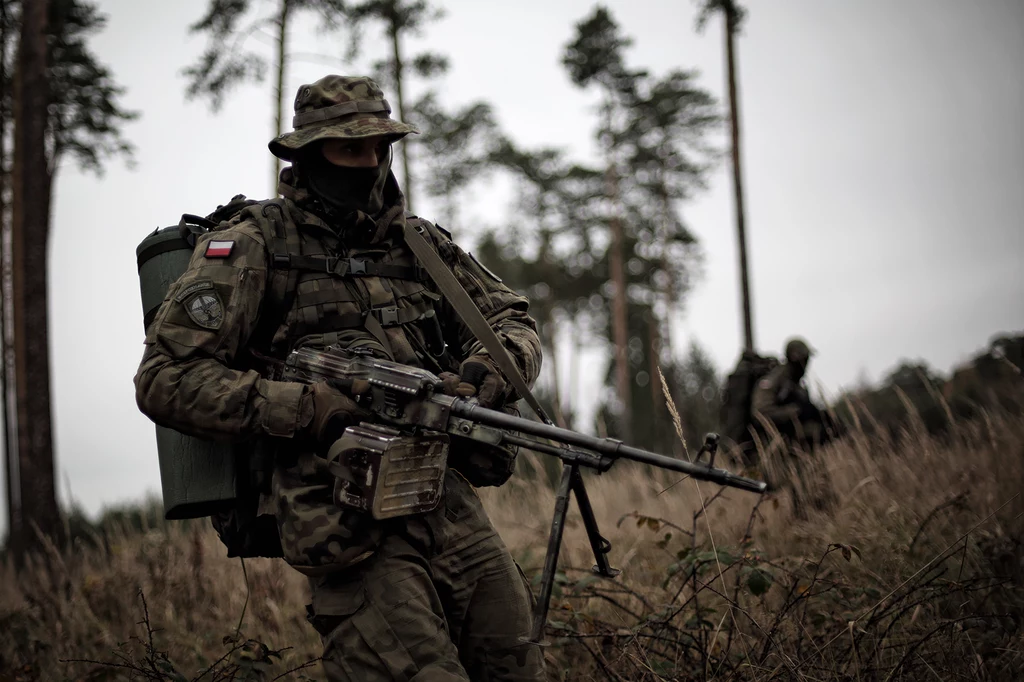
(798, 351)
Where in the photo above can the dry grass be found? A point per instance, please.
(913, 572)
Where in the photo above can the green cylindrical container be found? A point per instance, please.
(198, 477)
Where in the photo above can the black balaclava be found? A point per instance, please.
(346, 189)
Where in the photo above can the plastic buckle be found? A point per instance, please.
(356, 266)
(388, 316)
(282, 261)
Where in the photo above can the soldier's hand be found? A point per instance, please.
(328, 412)
(478, 376)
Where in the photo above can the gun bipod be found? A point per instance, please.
(571, 482)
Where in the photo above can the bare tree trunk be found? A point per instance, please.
(9, 452)
(653, 368)
(282, 39)
(620, 331)
(553, 362)
(670, 291)
(734, 115)
(396, 55)
(30, 236)
(574, 371)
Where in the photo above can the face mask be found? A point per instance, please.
(348, 189)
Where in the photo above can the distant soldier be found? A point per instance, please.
(782, 399)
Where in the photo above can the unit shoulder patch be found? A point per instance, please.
(205, 309)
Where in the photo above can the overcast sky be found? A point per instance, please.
(883, 163)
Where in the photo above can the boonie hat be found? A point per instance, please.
(350, 107)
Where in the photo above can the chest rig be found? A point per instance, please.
(324, 292)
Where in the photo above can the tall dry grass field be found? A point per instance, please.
(906, 564)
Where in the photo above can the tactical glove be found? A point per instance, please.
(326, 412)
(480, 377)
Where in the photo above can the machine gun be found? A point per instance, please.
(395, 465)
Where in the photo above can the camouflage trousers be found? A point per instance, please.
(441, 599)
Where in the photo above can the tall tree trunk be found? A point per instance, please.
(734, 115)
(396, 55)
(556, 399)
(574, 371)
(282, 39)
(653, 368)
(670, 291)
(620, 333)
(9, 452)
(30, 236)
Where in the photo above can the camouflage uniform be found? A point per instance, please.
(435, 596)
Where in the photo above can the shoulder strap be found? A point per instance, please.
(468, 311)
(281, 240)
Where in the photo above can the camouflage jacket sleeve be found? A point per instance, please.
(769, 399)
(503, 308)
(187, 380)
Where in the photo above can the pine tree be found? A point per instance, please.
(595, 57)
(400, 18)
(226, 63)
(63, 103)
(456, 148)
(454, 144)
(654, 135)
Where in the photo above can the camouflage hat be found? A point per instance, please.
(797, 350)
(349, 107)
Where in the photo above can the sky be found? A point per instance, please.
(883, 160)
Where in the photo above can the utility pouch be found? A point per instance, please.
(385, 474)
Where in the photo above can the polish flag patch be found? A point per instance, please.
(219, 249)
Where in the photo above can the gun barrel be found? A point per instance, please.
(605, 446)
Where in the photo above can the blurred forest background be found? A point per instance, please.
(604, 252)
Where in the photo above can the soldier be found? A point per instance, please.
(434, 596)
(781, 399)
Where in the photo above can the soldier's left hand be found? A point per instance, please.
(478, 376)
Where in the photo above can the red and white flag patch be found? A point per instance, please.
(219, 249)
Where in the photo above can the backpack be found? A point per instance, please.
(735, 412)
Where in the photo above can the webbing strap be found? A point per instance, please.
(372, 325)
(339, 110)
(346, 267)
(281, 284)
(470, 314)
